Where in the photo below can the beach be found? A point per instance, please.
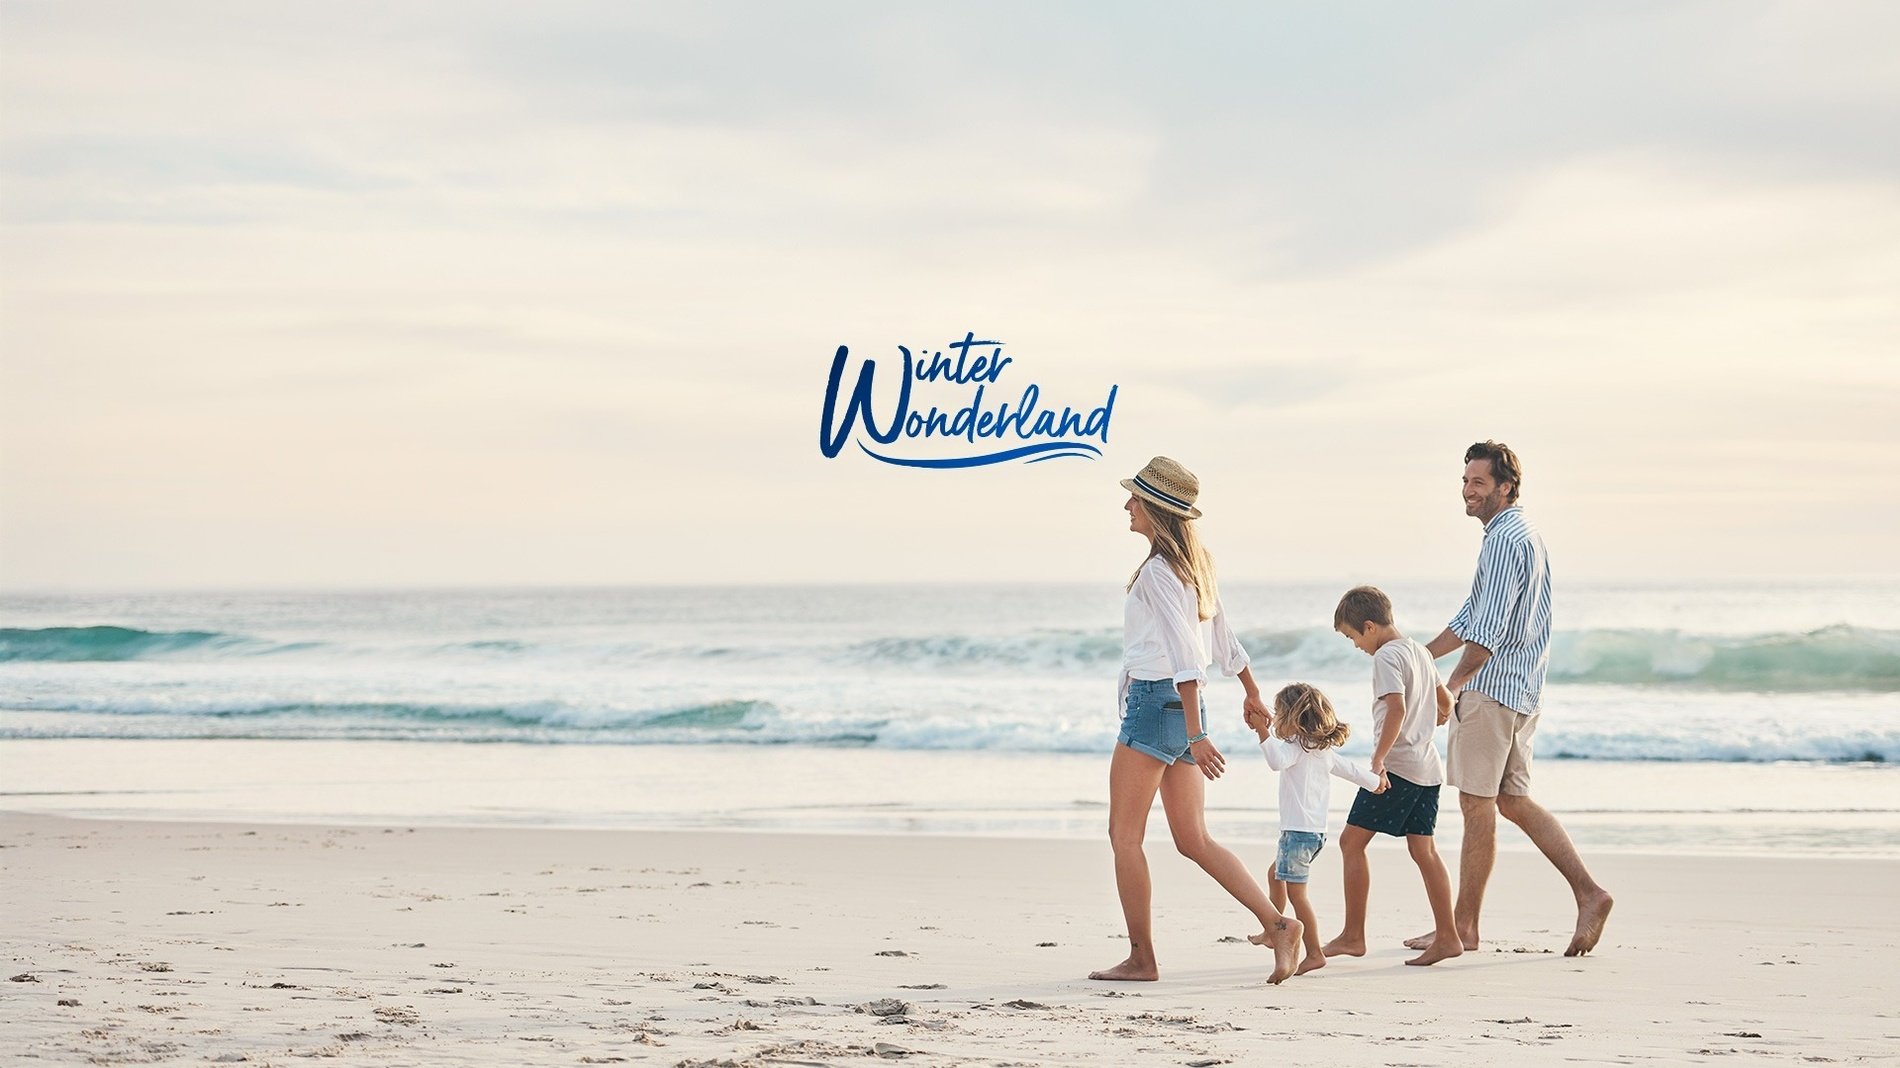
(276, 944)
(781, 826)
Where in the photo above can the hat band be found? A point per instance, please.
(1185, 506)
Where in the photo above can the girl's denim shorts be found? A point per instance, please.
(1154, 722)
(1297, 850)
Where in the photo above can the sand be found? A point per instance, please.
(150, 942)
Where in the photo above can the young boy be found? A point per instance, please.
(1405, 689)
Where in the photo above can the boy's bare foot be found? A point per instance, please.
(1439, 950)
(1284, 939)
(1591, 916)
(1129, 971)
(1345, 947)
(1425, 940)
(1313, 962)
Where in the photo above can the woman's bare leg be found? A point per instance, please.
(1184, 799)
(1133, 778)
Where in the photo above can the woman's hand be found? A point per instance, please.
(1208, 758)
(1259, 724)
(1255, 713)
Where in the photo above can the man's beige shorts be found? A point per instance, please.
(1489, 750)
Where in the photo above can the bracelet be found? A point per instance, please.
(1201, 737)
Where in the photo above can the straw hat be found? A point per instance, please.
(1168, 486)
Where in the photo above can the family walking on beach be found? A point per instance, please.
(1175, 627)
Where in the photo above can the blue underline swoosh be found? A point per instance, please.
(1048, 450)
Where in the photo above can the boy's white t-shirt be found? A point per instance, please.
(1404, 667)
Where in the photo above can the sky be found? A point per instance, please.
(354, 295)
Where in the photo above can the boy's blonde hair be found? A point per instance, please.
(1301, 711)
(1176, 542)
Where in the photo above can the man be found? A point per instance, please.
(1504, 628)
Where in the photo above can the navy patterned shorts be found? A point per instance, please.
(1405, 808)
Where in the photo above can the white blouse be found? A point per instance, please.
(1306, 783)
(1163, 636)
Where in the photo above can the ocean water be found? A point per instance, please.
(1745, 717)
(1733, 674)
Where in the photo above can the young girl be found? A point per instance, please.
(1301, 743)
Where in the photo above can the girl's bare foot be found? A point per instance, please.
(1284, 939)
(1313, 962)
(1345, 947)
(1129, 971)
(1439, 949)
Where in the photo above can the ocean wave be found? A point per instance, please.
(750, 721)
(1049, 650)
(116, 643)
(1841, 658)
(1734, 747)
(745, 722)
(1832, 658)
(555, 714)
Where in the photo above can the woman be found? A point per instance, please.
(1171, 620)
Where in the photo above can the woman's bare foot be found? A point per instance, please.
(1284, 939)
(1345, 947)
(1313, 962)
(1439, 949)
(1129, 971)
(1425, 940)
(1591, 916)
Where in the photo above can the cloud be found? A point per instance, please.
(347, 278)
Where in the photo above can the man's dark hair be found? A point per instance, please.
(1504, 464)
(1360, 606)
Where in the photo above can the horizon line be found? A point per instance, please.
(1649, 581)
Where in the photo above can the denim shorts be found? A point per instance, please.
(1297, 850)
(1154, 723)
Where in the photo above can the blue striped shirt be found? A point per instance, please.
(1508, 612)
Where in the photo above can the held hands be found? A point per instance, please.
(1254, 711)
(1378, 768)
(1259, 724)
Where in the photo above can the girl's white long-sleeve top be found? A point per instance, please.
(1306, 781)
(1163, 636)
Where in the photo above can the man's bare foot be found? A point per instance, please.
(1129, 971)
(1591, 916)
(1438, 950)
(1345, 947)
(1425, 940)
(1284, 939)
(1313, 962)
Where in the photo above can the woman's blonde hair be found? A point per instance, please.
(1175, 541)
(1302, 711)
